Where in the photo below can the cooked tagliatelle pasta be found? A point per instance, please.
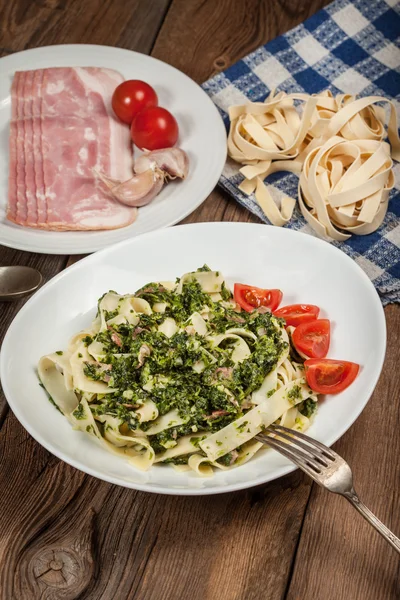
(335, 145)
(179, 374)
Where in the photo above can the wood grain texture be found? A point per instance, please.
(335, 538)
(74, 537)
(203, 37)
(25, 24)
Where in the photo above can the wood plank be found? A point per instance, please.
(202, 38)
(335, 539)
(110, 22)
(208, 547)
(215, 547)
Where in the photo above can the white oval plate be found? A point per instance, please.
(202, 136)
(305, 268)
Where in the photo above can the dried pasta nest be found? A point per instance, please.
(335, 145)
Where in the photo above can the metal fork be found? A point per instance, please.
(325, 466)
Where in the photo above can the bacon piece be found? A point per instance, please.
(216, 413)
(237, 319)
(225, 372)
(12, 179)
(137, 331)
(116, 339)
(37, 144)
(234, 455)
(64, 128)
(21, 189)
(30, 179)
(152, 289)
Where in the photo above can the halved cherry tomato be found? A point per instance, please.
(330, 376)
(294, 314)
(154, 128)
(132, 96)
(312, 339)
(249, 297)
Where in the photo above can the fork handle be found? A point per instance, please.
(373, 520)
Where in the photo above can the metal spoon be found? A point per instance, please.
(17, 282)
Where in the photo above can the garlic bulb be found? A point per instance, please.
(137, 191)
(152, 169)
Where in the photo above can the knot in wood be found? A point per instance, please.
(220, 63)
(57, 567)
(59, 564)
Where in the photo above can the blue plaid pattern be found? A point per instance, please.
(348, 47)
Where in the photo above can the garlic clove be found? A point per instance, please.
(137, 191)
(174, 162)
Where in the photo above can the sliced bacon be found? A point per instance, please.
(12, 179)
(216, 413)
(37, 144)
(21, 189)
(64, 129)
(234, 455)
(116, 339)
(152, 289)
(237, 319)
(224, 372)
(30, 180)
(137, 331)
(103, 366)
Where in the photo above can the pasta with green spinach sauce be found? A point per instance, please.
(178, 374)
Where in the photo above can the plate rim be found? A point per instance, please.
(96, 247)
(281, 471)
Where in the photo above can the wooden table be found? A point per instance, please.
(65, 535)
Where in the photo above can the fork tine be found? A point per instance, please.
(321, 458)
(298, 452)
(284, 449)
(311, 441)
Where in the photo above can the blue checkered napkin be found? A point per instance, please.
(347, 47)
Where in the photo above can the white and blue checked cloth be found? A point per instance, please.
(346, 47)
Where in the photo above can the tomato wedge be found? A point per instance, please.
(249, 297)
(330, 376)
(312, 339)
(295, 314)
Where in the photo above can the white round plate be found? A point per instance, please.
(306, 270)
(202, 136)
